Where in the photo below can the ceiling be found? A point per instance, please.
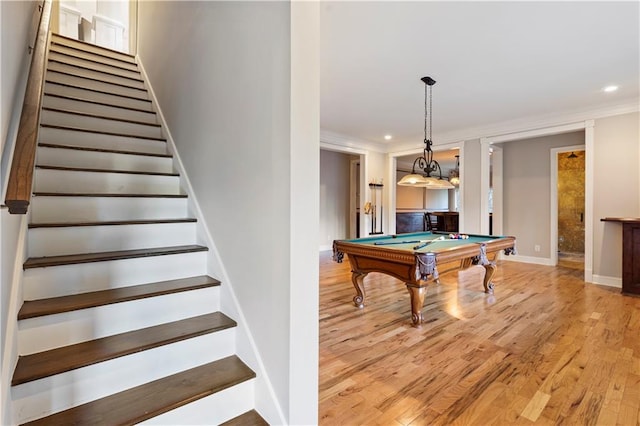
(494, 63)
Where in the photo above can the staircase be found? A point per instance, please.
(120, 323)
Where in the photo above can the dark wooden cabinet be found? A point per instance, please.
(630, 253)
(447, 221)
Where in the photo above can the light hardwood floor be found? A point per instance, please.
(546, 348)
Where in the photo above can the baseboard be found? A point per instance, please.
(607, 281)
(326, 247)
(529, 259)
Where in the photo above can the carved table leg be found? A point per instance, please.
(417, 300)
(357, 278)
(489, 269)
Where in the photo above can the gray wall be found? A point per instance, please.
(527, 193)
(334, 196)
(470, 203)
(221, 72)
(15, 30)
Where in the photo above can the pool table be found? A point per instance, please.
(415, 258)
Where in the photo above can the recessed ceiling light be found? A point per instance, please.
(609, 89)
(387, 137)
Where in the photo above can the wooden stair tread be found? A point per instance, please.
(58, 61)
(112, 195)
(71, 259)
(91, 101)
(74, 86)
(103, 117)
(99, 80)
(101, 132)
(57, 305)
(85, 169)
(157, 397)
(90, 45)
(250, 418)
(99, 56)
(108, 151)
(60, 360)
(110, 223)
(133, 67)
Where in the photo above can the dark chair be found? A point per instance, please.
(430, 222)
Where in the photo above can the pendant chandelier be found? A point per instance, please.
(426, 163)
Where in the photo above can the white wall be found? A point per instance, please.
(616, 189)
(222, 72)
(16, 29)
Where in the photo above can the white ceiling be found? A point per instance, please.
(494, 62)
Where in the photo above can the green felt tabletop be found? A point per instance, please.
(410, 241)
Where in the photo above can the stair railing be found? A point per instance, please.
(20, 181)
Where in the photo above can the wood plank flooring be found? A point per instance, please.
(545, 349)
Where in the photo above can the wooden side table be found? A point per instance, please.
(630, 253)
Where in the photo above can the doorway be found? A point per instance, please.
(340, 195)
(571, 208)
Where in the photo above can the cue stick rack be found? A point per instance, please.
(376, 210)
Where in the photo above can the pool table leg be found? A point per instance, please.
(357, 278)
(417, 300)
(489, 269)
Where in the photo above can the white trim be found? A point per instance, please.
(529, 259)
(497, 161)
(553, 201)
(539, 122)
(534, 133)
(485, 170)
(338, 140)
(214, 263)
(608, 281)
(353, 205)
(589, 179)
(392, 166)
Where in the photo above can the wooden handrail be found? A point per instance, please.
(20, 181)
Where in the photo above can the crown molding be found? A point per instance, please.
(329, 139)
(489, 131)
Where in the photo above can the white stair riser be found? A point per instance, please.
(83, 72)
(103, 160)
(73, 60)
(91, 239)
(54, 281)
(47, 180)
(53, 331)
(98, 109)
(96, 85)
(91, 48)
(56, 393)
(58, 118)
(219, 407)
(47, 209)
(101, 141)
(95, 58)
(81, 93)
